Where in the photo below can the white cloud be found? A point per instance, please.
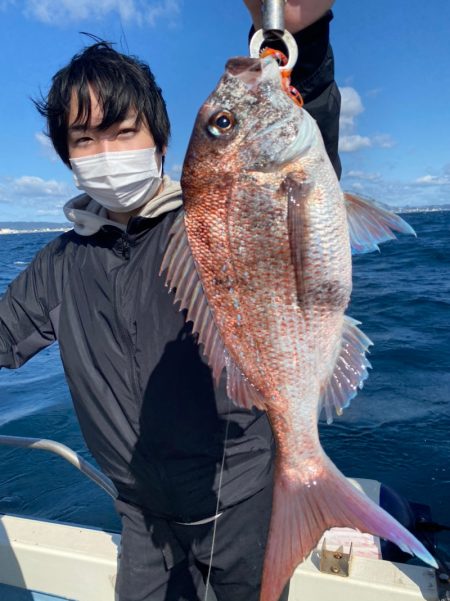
(358, 186)
(46, 146)
(350, 140)
(351, 107)
(167, 9)
(60, 12)
(370, 177)
(35, 196)
(354, 142)
(433, 180)
(29, 185)
(383, 141)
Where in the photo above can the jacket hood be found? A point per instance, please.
(88, 216)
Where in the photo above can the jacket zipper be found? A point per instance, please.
(123, 327)
(125, 247)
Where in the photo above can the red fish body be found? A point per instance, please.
(262, 262)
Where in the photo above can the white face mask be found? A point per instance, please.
(119, 181)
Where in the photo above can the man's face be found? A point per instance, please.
(124, 135)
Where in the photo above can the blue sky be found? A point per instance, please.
(392, 65)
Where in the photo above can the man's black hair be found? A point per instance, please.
(119, 81)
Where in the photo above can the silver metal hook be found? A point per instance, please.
(261, 36)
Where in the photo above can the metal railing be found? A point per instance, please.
(66, 453)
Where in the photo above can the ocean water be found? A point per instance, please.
(397, 429)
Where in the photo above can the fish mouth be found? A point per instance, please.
(252, 71)
(241, 64)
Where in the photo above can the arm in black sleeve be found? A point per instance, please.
(28, 312)
(313, 76)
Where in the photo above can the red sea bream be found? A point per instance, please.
(261, 259)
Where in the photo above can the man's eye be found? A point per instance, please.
(82, 141)
(127, 132)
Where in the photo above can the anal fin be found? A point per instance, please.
(350, 370)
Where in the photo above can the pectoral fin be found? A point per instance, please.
(370, 224)
(297, 191)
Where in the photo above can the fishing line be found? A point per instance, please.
(218, 502)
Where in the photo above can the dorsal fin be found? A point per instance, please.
(182, 275)
(371, 224)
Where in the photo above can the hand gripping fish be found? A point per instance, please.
(261, 260)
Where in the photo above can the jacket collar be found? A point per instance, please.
(88, 216)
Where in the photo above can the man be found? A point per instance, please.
(192, 470)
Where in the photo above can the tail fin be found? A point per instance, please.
(301, 513)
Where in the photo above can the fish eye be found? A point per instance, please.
(221, 123)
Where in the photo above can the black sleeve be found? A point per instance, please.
(313, 76)
(28, 313)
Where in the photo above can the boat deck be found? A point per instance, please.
(66, 562)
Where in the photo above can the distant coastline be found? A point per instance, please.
(32, 227)
(38, 227)
(429, 209)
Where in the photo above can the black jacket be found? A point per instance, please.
(141, 388)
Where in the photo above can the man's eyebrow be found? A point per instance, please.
(79, 127)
